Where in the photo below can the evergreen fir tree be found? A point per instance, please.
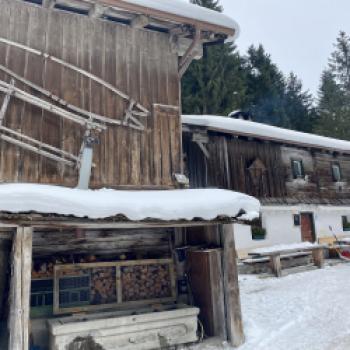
(299, 105)
(334, 93)
(340, 61)
(216, 83)
(333, 109)
(265, 89)
(211, 4)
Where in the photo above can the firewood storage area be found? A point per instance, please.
(94, 286)
(110, 283)
(134, 285)
(134, 288)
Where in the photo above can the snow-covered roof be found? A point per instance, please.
(171, 205)
(267, 132)
(184, 10)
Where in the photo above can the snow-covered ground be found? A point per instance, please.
(303, 311)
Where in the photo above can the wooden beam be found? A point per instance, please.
(140, 21)
(38, 102)
(142, 111)
(203, 148)
(49, 4)
(233, 311)
(15, 318)
(27, 246)
(166, 16)
(62, 102)
(35, 149)
(20, 289)
(96, 11)
(6, 102)
(51, 222)
(191, 52)
(41, 145)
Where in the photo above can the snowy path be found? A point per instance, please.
(309, 310)
(304, 311)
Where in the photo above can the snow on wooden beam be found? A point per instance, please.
(172, 205)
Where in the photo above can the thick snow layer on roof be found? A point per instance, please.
(185, 9)
(248, 128)
(172, 205)
(283, 247)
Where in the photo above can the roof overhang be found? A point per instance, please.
(230, 28)
(177, 17)
(263, 132)
(22, 204)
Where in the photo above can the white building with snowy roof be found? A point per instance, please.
(302, 180)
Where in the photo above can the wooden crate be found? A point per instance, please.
(96, 286)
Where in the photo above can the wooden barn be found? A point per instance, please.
(102, 246)
(301, 180)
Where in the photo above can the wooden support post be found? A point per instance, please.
(20, 289)
(318, 256)
(275, 260)
(233, 311)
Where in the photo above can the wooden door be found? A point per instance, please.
(307, 227)
(205, 280)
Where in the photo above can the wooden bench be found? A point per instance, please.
(264, 259)
(275, 256)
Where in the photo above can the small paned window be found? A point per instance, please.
(336, 172)
(346, 223)
(298, 169)
(296, 219)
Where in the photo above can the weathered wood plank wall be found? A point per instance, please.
(156, 241)
(319, 182)
(272, 178)
(138, 62)
(232, 171)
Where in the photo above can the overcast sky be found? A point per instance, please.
(299, 34)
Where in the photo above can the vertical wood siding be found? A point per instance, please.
(232, 172)
(138, 62)
(276, 184)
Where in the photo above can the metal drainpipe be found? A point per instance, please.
(86, 163)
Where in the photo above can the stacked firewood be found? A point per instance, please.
(42, 270)
(145, 282)
(103, 285)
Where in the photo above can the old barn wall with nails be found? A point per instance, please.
(138, 62)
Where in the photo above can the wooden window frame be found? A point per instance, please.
(296, 176)
(336, 164)
(296, 220)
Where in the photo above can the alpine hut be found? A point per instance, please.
(102, 246)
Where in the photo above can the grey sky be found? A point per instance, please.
(299, 34)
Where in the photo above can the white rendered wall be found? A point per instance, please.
(280, 228)
(328, 220)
